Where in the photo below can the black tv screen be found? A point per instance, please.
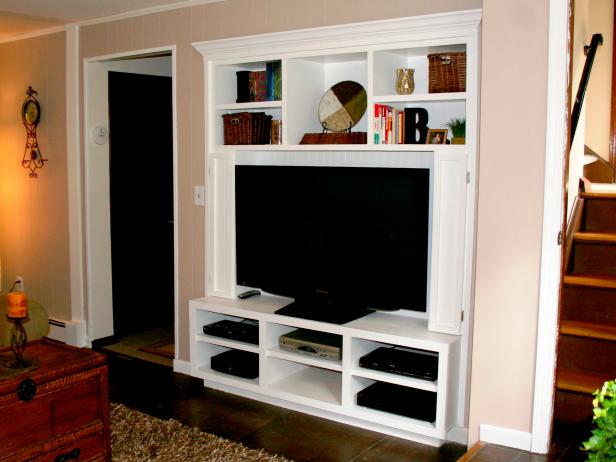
(341, 241)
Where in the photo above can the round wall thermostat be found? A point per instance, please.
(99, 135)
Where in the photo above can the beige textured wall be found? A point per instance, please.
(599, 92)
(581, 30)
(514, 74)
(513, 93)
(34, 212)
(218, 20)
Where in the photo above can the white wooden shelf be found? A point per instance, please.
(317, 383)
(308, 360)
(208, 373)
(312, 61)
(396, 379)
(312, 384)
(419, 98)
(460, 149)
(238, 107)
(394, 420)
(237, 345)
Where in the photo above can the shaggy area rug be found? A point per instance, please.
(138, 437)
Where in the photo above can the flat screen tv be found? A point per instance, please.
(341, 241)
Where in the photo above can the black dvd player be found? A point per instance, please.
(243, 331)
(400, 400)
(237, 362)
(411, 362)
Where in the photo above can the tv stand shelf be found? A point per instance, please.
(320, 386)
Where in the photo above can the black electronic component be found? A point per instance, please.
(312, 343)
(400, 400)
(340, 241)
(249, 293)
(243, 331)
(410, 362)
(237, 362)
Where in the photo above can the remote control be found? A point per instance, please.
(249, 293)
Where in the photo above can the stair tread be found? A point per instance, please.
(598, 195)
(603, 281)
(606, 238)
(588, 329)
(580, 381)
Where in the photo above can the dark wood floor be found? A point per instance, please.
(158, 391)
(565, 448)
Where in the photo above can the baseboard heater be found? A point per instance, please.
(70, 332)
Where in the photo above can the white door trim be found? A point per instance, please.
(73, 167)
(95, 312)
(556, 146)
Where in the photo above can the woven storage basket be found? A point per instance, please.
(447, 72)
(247, 128)
(335, 138)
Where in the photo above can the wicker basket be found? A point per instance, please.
(335, 138)
(247, 128)
(447, 72)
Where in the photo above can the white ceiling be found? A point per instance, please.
(19, 17)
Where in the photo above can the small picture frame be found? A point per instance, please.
(437, 136)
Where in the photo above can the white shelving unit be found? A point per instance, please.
(311, 61)
(320, 386)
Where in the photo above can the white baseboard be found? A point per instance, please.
(505, 437)
(183, 367)
(69, 332)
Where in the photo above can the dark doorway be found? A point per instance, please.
(141, 201)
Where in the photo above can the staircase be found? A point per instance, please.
(587, 341)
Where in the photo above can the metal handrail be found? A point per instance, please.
(597, 39)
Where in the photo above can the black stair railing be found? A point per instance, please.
(597, 39)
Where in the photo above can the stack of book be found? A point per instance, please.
(255, 86)
(400, 126)
(388, 125)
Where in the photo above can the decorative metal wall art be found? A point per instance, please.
(30, 116)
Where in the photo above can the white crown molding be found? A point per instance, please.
(146, 11)
(116, 17)
(39, 33)
(383, 31)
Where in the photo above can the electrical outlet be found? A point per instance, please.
(19, 284)
(199, 195)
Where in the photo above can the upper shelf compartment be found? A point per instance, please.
(308, 80)
(312, 61)
(386, 63)
(249, 85)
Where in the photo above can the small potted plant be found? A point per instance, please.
(458, 130)
(602, 444)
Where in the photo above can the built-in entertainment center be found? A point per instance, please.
(360, 254)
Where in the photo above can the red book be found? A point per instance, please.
(258, 86)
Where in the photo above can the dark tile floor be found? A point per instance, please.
(158, 391)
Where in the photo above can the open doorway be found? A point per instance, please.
(131, 204)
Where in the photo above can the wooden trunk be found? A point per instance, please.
(68, 414)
